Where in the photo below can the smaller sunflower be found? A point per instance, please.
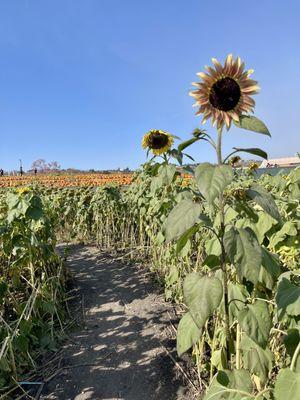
(157, 141)
(253, 166)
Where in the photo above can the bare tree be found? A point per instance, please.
(41, 165)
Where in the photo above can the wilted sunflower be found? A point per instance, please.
(224, 93)
(158, 141)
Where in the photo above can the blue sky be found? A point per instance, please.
(81, 81)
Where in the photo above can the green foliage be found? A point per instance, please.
(253, 124)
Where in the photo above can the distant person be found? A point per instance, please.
(35, 171)
(1, 172)
(21, 171)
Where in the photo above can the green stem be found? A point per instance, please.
(295, 356)
(223, 256)
(238, 349)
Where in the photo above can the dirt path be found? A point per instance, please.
(120, 339)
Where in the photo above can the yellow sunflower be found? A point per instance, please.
(23, 190)
(157, 141)
(225, 92)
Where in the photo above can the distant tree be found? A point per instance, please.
(41, 165)
(53, 166)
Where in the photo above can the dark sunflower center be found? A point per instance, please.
(158, 140)
(225, 94)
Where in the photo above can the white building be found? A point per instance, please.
(281, 162)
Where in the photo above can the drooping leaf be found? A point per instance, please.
(256, 359)
(255, 320)
(182, 241)
(255, 151)
(287, 385)
(188, 334)
(183, 216)
(253, 124)
(243, 250)
(270, 268)
(202, 295)
(287, 298)
(212, 179)
(263, 198)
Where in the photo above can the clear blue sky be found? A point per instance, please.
(82, 80)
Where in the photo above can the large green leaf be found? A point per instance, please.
(288, 298)
(257, 360)
(165, 177)
(230, 385)
(287, 386)
(202, 295)
(252, 123)
(253, 150)
(270, 268)
(263, 198)
(183, 216)
(188, 334)
(243, 250)
(212, 179)
(255, 320)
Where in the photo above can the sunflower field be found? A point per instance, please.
(223, 243)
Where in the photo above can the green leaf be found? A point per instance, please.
(230, 385)
(270, 269)
(257, 360)
(287, 298)
(255, 151)
(21, 343)
(211, 261)
(187, 143)
(237, 295)
(202, 295)
(243, 250)
(188, 334)
(183, 216)
(212, 179)
(166, 173)
(288, 229)
(253, 124)
(263, 198)
(218, 358)
(287, 386)
(291, 341)
(255, 320)
(165, 177)
(182, 241)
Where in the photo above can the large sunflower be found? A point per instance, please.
(225, 92)
(157, 141)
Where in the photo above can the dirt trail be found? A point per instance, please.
(120, 339)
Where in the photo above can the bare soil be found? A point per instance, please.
(118, 351)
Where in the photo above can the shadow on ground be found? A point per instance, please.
(117, 352)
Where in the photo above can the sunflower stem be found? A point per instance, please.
(223, 255)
